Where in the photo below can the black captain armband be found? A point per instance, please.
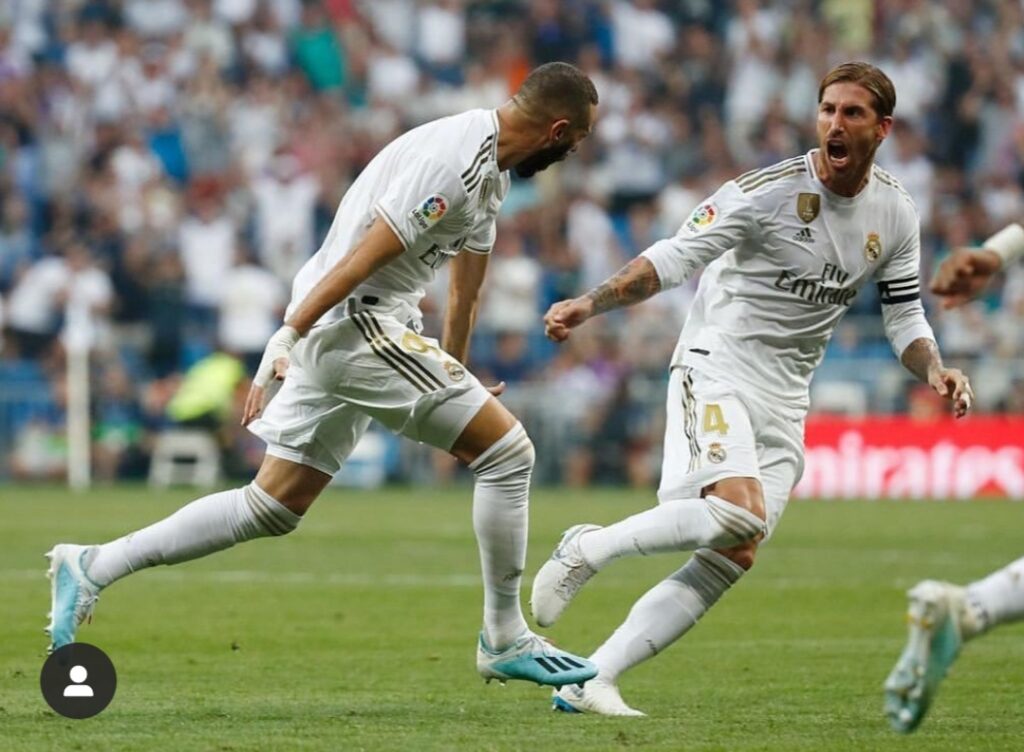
(904, 290)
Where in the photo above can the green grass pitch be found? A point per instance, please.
(358, 633)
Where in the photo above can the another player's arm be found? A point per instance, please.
(635, 282)
(922, 358)
(378, 247)
(908, 329)
(467, 271)
(716, 226)
(967, 271)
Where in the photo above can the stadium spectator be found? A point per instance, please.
(285, 197)
(252, 302)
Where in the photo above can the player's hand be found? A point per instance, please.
(259, 396)
(964, 275)
(952, 384)
(272, 368)
(498, 389)
(566, 315)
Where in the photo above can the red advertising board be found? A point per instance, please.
(898, 458)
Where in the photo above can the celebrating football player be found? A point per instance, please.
(786, 249)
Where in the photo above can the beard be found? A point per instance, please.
(541, 160)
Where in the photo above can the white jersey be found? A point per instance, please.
(439, 189)
(785, 259)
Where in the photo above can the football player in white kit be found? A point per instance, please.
(786, 250)
(351, 351)
(942, 616)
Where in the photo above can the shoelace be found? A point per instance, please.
(85, 607)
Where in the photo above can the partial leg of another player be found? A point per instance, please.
(273, 504)
(941, 617)
(498, 450)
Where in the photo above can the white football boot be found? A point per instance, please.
(561, 577)
(597, 696)
(72, 594)
(938, 620)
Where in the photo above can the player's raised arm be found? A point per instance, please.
(379, 246)
(717, 225)
(968, 271)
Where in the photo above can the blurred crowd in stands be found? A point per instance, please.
(167, 165)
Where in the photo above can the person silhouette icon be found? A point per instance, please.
(77, 681)
(78, 675)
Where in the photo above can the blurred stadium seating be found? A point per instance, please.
(166, 166)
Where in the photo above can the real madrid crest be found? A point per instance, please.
(455, 371)
(716, 452)
(807, 206)
(872, 248)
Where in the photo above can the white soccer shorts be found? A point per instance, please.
(713, 432)
(359, 368)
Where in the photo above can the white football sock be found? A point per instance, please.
(209, 524)
(680, 525)
(998, 598)
(500, 519)
(666, 612)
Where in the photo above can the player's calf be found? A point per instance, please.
(500, 519)
(209, 524)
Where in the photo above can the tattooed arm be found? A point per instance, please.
(634, 282)
(921, 357)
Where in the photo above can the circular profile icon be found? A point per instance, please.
(78, 680)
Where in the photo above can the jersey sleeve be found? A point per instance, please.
(481, 238)
(717, 225)
(418, 198)
(899, 287)
(483, 234)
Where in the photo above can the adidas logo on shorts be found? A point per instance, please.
(804, 236)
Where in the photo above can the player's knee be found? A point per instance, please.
(742, 556)
(736, 524)
(510, 456)
(273, 516)
(742, 492)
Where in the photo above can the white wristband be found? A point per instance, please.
(1008, 244)
(279, 345)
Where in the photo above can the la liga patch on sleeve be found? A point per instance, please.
(430, 210)
(702, 218)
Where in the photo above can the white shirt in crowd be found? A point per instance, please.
(41, 295)
(285, 222)
(512, 300)
(442, 33)
(641, 34)
(251, 303)
(207, 253)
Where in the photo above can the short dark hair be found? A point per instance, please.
(868, 76)
(557, 90)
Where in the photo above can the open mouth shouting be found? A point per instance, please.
(838, 153)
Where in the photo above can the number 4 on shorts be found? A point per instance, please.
(714, 421)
